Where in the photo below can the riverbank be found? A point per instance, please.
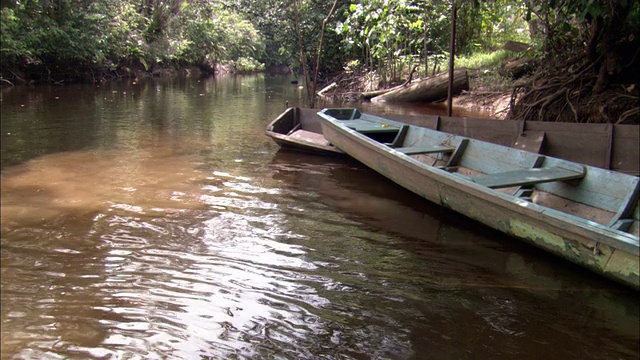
(489, 92)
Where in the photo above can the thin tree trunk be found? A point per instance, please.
(317, 64)
(452, 54)
(303, 59)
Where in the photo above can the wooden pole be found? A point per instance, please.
(303, 60)
(452, 53)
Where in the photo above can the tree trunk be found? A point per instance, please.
(431, 89)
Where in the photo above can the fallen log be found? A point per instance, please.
(431, 89)
(327, 88)
(371, 94)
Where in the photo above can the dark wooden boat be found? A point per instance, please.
(608, 146)
(587, 215)
(300, 129)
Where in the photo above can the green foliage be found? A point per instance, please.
(245, 65)
(49, 40)
(567, 25)
(481, 60)
(392, 36)
(67, 39)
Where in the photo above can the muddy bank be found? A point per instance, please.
(493, 104)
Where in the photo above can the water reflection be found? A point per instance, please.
(446, 273)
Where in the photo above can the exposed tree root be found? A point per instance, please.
(561, 96)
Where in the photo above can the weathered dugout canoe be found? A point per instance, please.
(587, 215)
(299, 129)
(608, 146)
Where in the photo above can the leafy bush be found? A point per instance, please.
(247, 64)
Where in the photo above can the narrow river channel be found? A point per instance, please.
(155, 220)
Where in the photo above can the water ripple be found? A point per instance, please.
(277, 262)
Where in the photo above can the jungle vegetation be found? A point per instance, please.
(582, 51)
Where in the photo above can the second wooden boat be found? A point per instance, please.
(587, 215)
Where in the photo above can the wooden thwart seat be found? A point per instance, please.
(455, 151)
(413, 150)
(529, 177)
(368, 127)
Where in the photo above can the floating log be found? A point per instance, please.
(430, 89)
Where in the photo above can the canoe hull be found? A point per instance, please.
(585, 243)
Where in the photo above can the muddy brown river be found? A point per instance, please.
(156, 221)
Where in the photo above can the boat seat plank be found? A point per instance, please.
(528, 177)
(365, 127)
(413, 150)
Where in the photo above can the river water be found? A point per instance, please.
(155, 220)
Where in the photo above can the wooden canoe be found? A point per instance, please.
(587, 215)
(299, 129)
(608, 146)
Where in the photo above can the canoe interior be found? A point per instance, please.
(296, 118)
(602, 196)
(299, 129)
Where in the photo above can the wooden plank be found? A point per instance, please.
(369, 127)
(527, 177)
(494, 131)
(399, 140)
(413, 150)
(530, 141)
(525, 192)
(309, 136)
(623, 216)
(488, 158)
(585, 144)
(457, 154)
(602, 189)
(626, 140)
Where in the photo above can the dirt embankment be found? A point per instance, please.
(496, 95)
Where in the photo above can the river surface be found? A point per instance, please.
(155, 220)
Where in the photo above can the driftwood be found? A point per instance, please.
(431, 89)
(327, 88)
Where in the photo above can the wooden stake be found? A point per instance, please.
(452, 53)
